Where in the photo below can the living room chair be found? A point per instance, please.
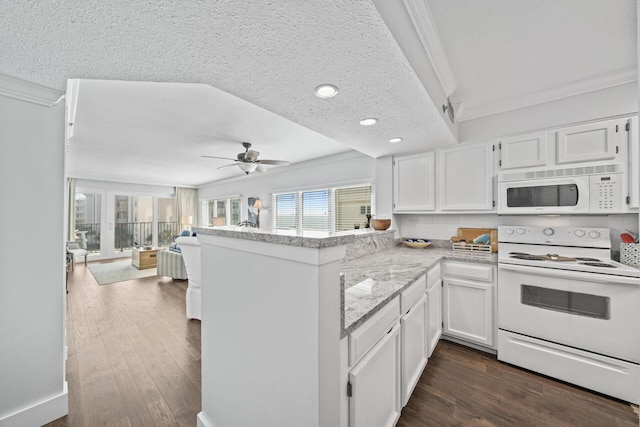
(76, 251)
(190, 247)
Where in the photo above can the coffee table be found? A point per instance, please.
(144, 258)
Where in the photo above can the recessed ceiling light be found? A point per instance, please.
(326, 91)
(394, 140)
(368, 122)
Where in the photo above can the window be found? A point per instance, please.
(88, 211)
(167, 224)
(133, 222)
(352, 206)
(286, 216)
(220, 211)
(331, 209)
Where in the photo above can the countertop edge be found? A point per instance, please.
(445, 257)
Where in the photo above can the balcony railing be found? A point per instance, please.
(129, 233)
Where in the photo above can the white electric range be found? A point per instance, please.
(567, 310)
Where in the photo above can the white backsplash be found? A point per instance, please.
(439, 226)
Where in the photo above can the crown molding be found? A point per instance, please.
(580, 87)
(22, 90)
(428, 36)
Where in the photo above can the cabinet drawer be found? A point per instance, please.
(367, 335)
(409, 296)
(468, 271)
(433, 275)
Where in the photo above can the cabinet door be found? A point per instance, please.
(414, 346)
(465, 178)
(523, 151)
(375, 385)
(414, 183)
(468, 310)
(434, 314)
(590, 142)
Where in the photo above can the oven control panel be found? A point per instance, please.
(568, 236)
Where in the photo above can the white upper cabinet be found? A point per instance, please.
(523, 151)
(634, 163)
(465, 178)
(589, 142)
(414, 183)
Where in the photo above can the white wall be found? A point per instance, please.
(611, 102)
(32, 288)
(342, 169)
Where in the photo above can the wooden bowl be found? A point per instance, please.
(380, 224)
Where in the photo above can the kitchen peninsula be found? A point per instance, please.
(274, 319)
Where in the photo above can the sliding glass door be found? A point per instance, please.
(88, 211)
(133, 220)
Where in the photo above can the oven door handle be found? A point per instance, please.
(570, 274)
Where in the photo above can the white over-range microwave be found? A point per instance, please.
(581, 190)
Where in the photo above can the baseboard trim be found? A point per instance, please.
(40, 413)
(203, 421)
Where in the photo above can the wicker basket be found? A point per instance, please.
(630, 254)
(472, 248)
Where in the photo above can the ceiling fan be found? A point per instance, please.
(248, 161)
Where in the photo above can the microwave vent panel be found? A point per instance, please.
(551, 173)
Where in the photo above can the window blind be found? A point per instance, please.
(352, 204)
(315, 210)
(286, 216)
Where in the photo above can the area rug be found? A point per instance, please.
(118, 271)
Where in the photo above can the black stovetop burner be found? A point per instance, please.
(598, 264)
(523, 255)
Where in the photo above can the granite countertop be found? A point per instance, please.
(386, 274)
(306, 239)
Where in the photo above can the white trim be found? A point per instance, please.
(29, 92)
(427, 32)
(40, 413)
(580, 87)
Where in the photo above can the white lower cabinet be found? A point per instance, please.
(468, 310)
(434, 313)
(468, 302)
(414, 345)
(374, 384)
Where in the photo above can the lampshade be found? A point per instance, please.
(187, 219)
(248, 167)
(257, 204)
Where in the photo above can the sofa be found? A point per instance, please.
(171, 263)
(190, 247)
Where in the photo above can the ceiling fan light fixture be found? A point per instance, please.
(369, 121)
(326, 90)
(248, 167)
(395, 139)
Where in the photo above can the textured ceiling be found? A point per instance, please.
(272, 54)
(507, 54)
(503, 54)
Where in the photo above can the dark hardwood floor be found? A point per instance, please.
(134, 357)
(134, 360)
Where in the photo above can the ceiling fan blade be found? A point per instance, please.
(274, 162)
(226, 166)
(261, 169)
(251, 155)
(216, 157)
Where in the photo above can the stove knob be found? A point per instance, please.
(520, 231)
(579, 233)
(594, 234)
(548, 232)
(508, 231)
